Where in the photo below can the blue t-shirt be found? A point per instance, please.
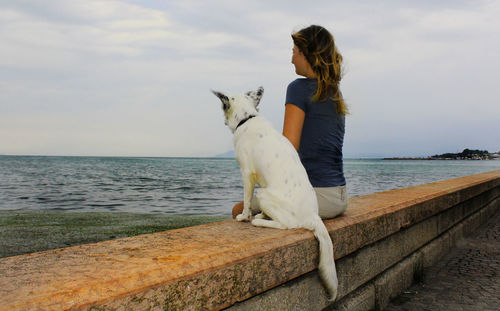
(322, 134)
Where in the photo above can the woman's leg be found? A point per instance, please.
(332, 201)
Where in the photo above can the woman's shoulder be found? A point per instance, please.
(302, 87)
(299, 92)
(302, 82)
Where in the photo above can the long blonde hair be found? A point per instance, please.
(318, 46)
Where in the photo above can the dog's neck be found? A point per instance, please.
(244, 120)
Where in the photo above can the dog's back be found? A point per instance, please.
(273, 159)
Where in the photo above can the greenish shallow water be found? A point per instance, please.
(24, 232)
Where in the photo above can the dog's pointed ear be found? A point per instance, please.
(256, 95)
(223, 98)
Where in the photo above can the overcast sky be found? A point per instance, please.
(132, 78)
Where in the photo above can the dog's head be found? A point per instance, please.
(238, 108)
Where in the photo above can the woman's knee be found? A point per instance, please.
(332, 202)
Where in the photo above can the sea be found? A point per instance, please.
(183, 186)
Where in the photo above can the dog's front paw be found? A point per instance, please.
(243, 217)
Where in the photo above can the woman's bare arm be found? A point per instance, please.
(292, 126)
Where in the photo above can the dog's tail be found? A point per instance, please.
(326, 266)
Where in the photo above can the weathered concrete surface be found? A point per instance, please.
(216, 265)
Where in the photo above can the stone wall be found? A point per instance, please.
(383, 242)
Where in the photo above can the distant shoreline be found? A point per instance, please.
(466, 154)
(406, 158)
(231, 156)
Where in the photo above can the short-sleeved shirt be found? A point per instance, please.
(322, 134)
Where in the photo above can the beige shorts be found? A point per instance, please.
(332, 201)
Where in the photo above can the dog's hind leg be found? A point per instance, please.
(268, 224)
(267, 204)
(260, 216)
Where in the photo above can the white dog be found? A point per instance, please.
(285, 194)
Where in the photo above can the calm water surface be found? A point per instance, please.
(188, 186)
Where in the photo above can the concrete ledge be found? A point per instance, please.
(381, 243)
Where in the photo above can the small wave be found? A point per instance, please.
(64, 208)
(147, 179)
(185, 188)
(203, 199)
(106, 205)
(142, 189)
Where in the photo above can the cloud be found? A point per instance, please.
(133, 77)
(425, 83)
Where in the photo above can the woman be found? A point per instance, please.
(315, 117)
